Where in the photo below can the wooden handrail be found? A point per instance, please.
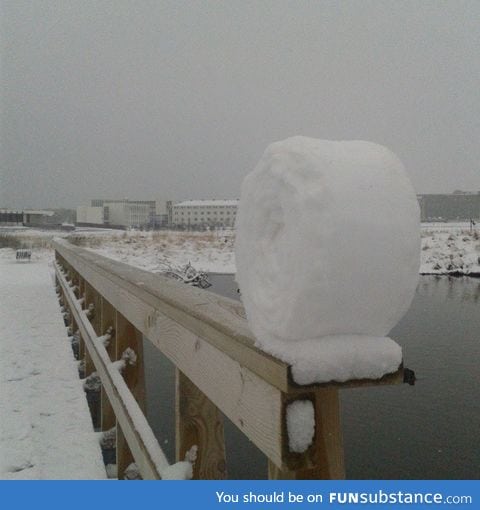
(218, 367)
(148, 455)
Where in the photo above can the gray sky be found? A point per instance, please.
(159, 100)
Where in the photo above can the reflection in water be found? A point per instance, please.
(450, 287)
(421, 432)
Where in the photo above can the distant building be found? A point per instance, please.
(202, 213)
(128, 214)
(87, 215)
(121, 213)
(457, 206)
(25, 217)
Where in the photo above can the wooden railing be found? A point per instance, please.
(218, 371)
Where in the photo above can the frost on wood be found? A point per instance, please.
(129, 356)
(108, 440)
(105, 339)
(132, 472)
(300, 425)
(327, 249)
(92, 382)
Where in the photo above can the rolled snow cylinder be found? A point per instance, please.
(327, 244)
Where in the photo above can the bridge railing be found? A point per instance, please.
(219, 372)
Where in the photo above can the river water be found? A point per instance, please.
(427, 431)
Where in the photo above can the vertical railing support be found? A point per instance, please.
(199, 422)
(127, 336)
(107, 320)
(81, 290)
(93, 307)
(325, 456)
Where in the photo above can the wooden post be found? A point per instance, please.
(81, 344)
(107, 320)
(325, 455)
(199, 422)
(128, 336)
(76, 283)
(124, 455)
(92, 298)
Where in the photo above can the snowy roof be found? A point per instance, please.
(28, 211)
(196, 203)
(37, 211)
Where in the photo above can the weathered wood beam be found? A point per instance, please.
(146, 451)
(199, 422)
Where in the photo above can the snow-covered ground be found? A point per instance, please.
(156, 251)
(450, 249)
(45, 426)
(442, 243)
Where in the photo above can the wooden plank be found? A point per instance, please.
(221, 321)
(124, 454)
(107, 320)
(75, 282)
(198, 422)
(324, 459)
(252, 404)
(81, 343)
(148, 455)
(218, 320)
(251, 399)
(127, 336)
(91, 298)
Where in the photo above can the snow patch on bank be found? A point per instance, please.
(158, 251)
(450, 250)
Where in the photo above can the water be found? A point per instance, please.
(428, 431)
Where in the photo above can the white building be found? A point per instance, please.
(203, 213)
(127, 214)
(90, 215)
(118, 213)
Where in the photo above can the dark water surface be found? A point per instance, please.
(428, 431)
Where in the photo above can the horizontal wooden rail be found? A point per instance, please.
(146, 451)
(207, 338)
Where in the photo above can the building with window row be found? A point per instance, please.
(457, 206)
(122, 213)
(202, 213)
(25, 217)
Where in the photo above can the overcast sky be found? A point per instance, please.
(159, 100)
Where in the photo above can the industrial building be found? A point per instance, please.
(122, 213)
(202, 213)
(25, 217)
(457, 206)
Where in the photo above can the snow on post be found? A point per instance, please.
(327, 254)
(300, 425)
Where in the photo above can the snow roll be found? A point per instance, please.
(328, 245)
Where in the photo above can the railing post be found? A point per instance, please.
(127, 336)
(76, 282)
(92, 298)
(81, 291)
(325, 456)
(199, 422)
(107, 320)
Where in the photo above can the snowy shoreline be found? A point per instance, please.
(448, 249)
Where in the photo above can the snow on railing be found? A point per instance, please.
(218, 370)
(149, 457)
